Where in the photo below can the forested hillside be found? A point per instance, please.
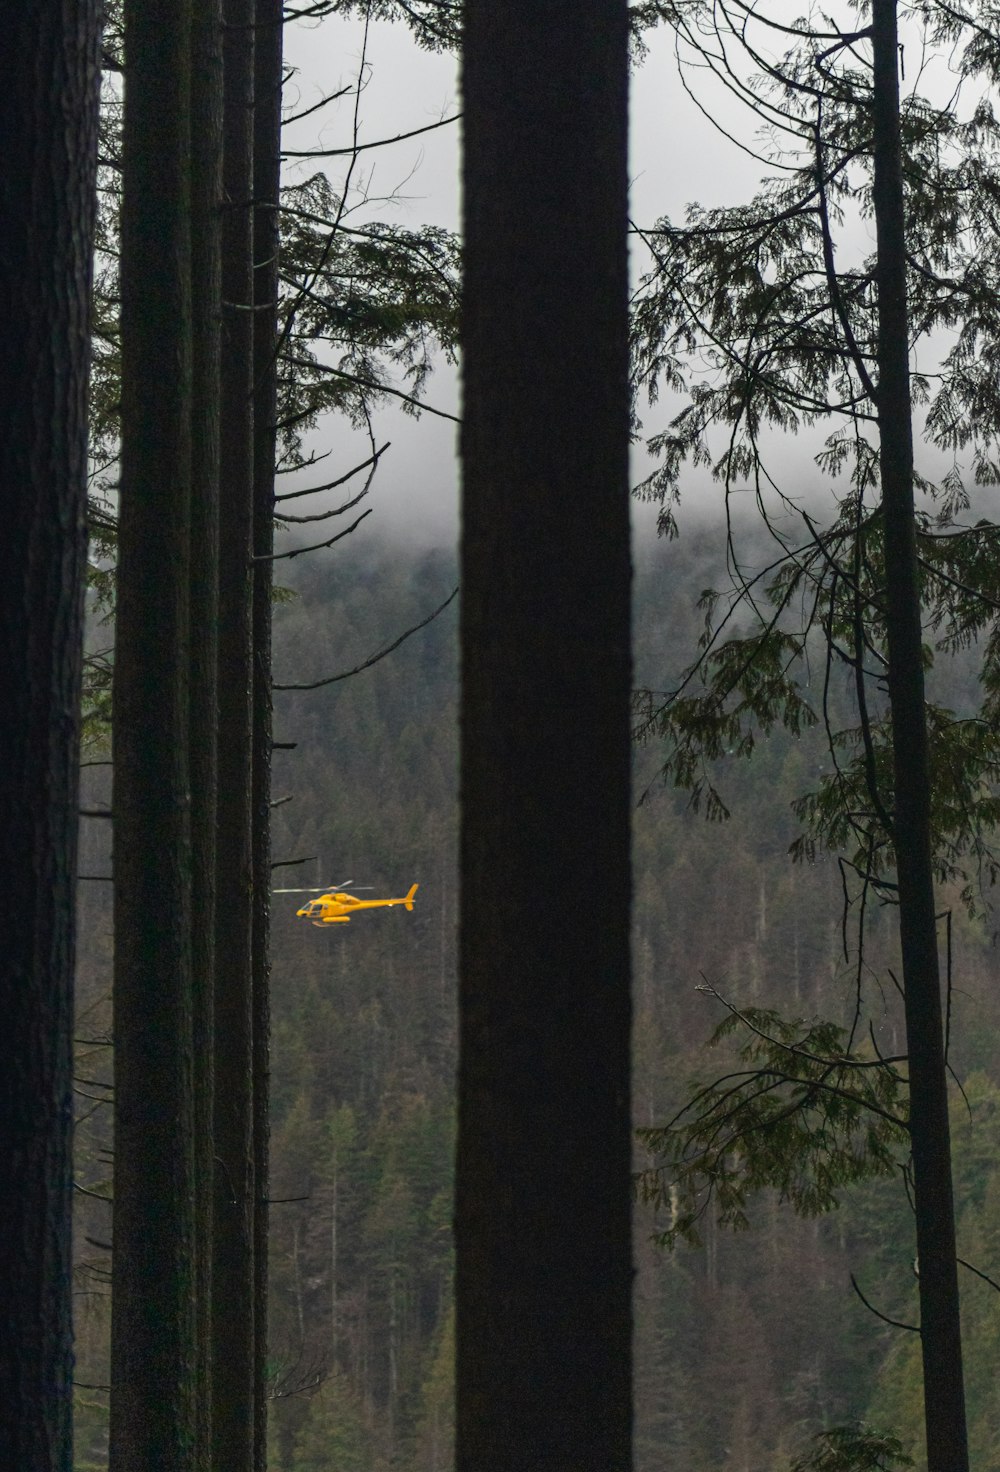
(747, 1344)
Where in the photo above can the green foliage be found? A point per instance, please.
(356, 304)
(97, 679)
(105, 372)
(747, 314)
(362, 313)
(896, 1396)
(744, 684)
(363, 1021)
(335, 1437)
(807, 1118)
(435, 24)
(853, 1449)
(363, 1059)
(745, 309)
(750, 687)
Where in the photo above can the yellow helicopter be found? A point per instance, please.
(334, 907)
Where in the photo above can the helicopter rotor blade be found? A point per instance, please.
(311, 889)
(323, 888)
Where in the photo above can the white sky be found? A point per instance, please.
(676, 156)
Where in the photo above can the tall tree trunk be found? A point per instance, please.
(543, 1191)
(206, 164)
(153, 1321)
(233, 1259)
(944, 1400)
(48, 140)
(267, 181)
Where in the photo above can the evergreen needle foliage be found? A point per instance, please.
(806, 1117)
(760, 320)
(363, 309)
(853, 1449)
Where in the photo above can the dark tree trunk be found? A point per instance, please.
(941, 1344)
(153, 1320)
(233, 1261)
(206, 164)
(267, 176)
(48, 142)
(543, 1192)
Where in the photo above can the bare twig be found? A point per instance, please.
(896, 1323)
(374, 659)
(332, 484)
(313, 547)
(357, 148)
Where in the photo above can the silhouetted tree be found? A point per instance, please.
(266, 194)
(235, 1187)
(934, 1211)
(542, 1214)
(802, 339)
(206, 213)
(48, 135)
(153, 1351)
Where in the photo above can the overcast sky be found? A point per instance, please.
(675, 157)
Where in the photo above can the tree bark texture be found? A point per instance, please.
(543, 1191)
(944, 1401)
(48, 139)
(267, 182)
(233, 1260)
(153, 1349)
(206, 210)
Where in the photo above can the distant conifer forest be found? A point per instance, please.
(750, 1338)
